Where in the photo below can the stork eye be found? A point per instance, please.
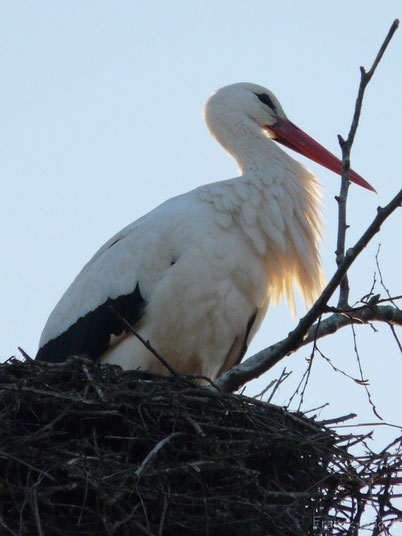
(265, 99)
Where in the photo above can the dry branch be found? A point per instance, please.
(259, 363)
(330, 325)
(346, 146)
(267, 358)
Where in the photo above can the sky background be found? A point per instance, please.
(101, 121)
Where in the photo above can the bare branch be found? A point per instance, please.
(366, 77)
(346, 147)
(284, 375)
(266, 359)
(385, 313)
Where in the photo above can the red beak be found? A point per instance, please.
(293, 137)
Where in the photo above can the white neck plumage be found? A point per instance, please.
(278, 206)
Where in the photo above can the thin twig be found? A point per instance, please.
(398, 342)
(10, 456)
(4, 526)
(91, 381)
(163, 515)
(195, 425)
(322, 406)
(36, 511)
(188, 378)
(326, 422)
(336, 369)
(346, 147)
(143, 529)
(154, 452)
(284, 375)
(265, 390)
(377, 261)
(398, 426)
(24, 354)
(310, 366)
(363, 381)
(147, 344)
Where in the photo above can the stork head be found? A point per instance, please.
(251, 104)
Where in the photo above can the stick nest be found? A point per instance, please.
(88, 449)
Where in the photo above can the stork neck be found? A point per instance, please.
(253, 151)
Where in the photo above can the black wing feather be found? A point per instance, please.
(90, 334)
(248, 329)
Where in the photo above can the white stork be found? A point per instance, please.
(195, 276)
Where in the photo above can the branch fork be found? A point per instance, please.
(266, 359)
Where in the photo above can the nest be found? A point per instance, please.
(91, 450)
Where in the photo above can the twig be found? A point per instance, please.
(275, 384)
(154, 452)
(50, 425)
(68, 397)
(296, 391)
(290, 494)
(391, 299)
(367, 304)
(143, 529)
(195, 425)
(322, 406)
(398, 342)
(22, 462)
(336, 369)
(253, 367)
(90, 379)
(163, 516)
(284, 375)
(7, 528)
(147, 344)
(326, 422)
(310, 366)
(330, 325)
(36, 511)
(265, 390)
(24, 354)
(363, 381)
(188, 378)
(346, 147)
(398, 426)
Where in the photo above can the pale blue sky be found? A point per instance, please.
(101, 121)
